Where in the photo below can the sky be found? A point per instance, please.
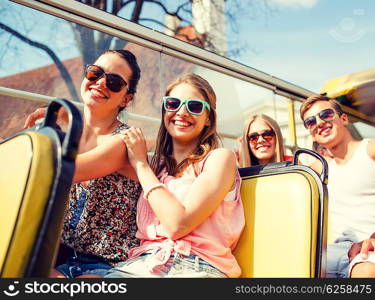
(305, 42)
(308, 42)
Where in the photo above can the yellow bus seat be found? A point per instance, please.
(37, 167)
(285, 212)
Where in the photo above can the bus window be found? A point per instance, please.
(33, 70)
(303, 137)
(365, 130)
(286, 120)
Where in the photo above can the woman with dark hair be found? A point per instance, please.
(261, 142)
(100, 224)
(190, 215)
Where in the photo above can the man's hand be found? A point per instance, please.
(362, 248)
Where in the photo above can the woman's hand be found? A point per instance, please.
(34, 116)
(136, 146)
(62, 117)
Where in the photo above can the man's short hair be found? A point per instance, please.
(315, 98)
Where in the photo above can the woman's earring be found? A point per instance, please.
(208, 123)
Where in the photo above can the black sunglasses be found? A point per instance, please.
(113, 82)
(326, 115)
(267, 135)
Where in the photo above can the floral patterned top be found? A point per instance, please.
(101, 217)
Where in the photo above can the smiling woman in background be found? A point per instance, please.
(262, 142)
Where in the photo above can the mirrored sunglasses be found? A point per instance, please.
(266, 135)
(194, 107)
(326, 115)
(114, 82)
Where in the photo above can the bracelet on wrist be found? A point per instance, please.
(152, 188)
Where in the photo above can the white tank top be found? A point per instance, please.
(351, 192)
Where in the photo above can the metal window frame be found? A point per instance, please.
(46, 99)
(99, 20)
(85, 15)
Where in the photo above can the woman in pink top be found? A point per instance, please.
(190, 215)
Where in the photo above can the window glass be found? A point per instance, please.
(304, 139)
(365, 130)
(200, 23)
(54, 65)
(281, 115)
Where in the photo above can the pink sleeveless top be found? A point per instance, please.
(213, 240)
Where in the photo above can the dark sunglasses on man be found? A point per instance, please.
(266, 135)
(326, 115)
(114, 82)
(194, 107)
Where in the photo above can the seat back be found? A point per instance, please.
(285, 233)
(35, 178)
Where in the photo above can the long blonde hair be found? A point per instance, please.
(247, 158)
(208, 139)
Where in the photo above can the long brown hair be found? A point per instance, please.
(247, 158)
(208, 139)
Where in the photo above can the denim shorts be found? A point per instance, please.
(337, 259)
(176, 266)
(83, 264)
